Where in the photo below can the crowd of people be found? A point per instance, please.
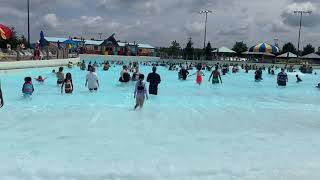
(140, 91)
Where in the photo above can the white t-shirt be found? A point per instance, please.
(92, 79)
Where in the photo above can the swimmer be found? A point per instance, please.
(92, 80)
(199, 75)
(67, 84)
(27, 88)
(40, 79)
(298, 78)
(215, 76)
(60, 76)
(318, 86)
(140, 92)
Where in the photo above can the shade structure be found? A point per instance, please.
(258, 53)
(287, 55)
(5, 32)
(70, 43)
(264, 48)
(311, 56)
(43, 41)
(224, 50)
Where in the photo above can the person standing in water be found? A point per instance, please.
(282, 78)
(199, 75)
(92, 80)
(215, 76)
(298, 78)
(60, 76)
(140, 92)
(154, 79)
(183, 74)
(67, 84)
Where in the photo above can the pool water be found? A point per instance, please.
(238, 130)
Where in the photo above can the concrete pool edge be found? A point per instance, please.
(36, 64)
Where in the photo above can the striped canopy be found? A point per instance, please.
(264, 48)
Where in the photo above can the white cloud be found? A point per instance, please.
(51, 20)
(89, 20)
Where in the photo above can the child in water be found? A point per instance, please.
(199, 74)
(140, 92)
(67, 84)
(298, 78)
(40, 79)
(27, 88)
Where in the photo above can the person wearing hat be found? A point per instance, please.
(154, 80)
(282, 78)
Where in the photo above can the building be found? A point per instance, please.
(109, 46)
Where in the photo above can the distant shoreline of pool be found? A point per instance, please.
(14, 65)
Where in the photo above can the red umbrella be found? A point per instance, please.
(5, 32)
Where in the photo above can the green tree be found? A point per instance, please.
(308, 50)
(208, 51)
(174, 49)
(240, 47)
(289, 47)
(23, 40)
(189, 50)
(13, 41)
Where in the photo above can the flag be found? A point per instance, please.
(5, 32)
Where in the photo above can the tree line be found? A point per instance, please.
(174, 51)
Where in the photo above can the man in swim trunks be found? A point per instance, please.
(154, 79)
(215, 75)
(282, 78)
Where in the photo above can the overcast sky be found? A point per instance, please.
(158, 22)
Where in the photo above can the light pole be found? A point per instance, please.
(205, 26)
(28, 6)
(301, 13)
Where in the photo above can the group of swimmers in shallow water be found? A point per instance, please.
(154, 79)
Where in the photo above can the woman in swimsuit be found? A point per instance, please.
(140, 92)
(199, 74)
(215, 76)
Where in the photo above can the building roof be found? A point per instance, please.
(311, 56)
(92, 42)
(223, 50)
(55, 39)
(287, 55)
(147, 46)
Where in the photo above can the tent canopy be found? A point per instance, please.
(224, 50)
(258, 53)
(264, 48)
(287, 55)
(311, 56)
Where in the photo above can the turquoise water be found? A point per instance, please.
(238, 130)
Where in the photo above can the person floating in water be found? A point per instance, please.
(282, 78)
(92, 80)
(140, 92)
(183, 73)
(1, 98)
(60, 76)
(298, 78)
(154, 79)
(258, 75)
(70, 64)
(199, 75)
(67, 84)
(27, 88)
(318, 86)
(40, 79)
(124, 75)
(215, 75)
